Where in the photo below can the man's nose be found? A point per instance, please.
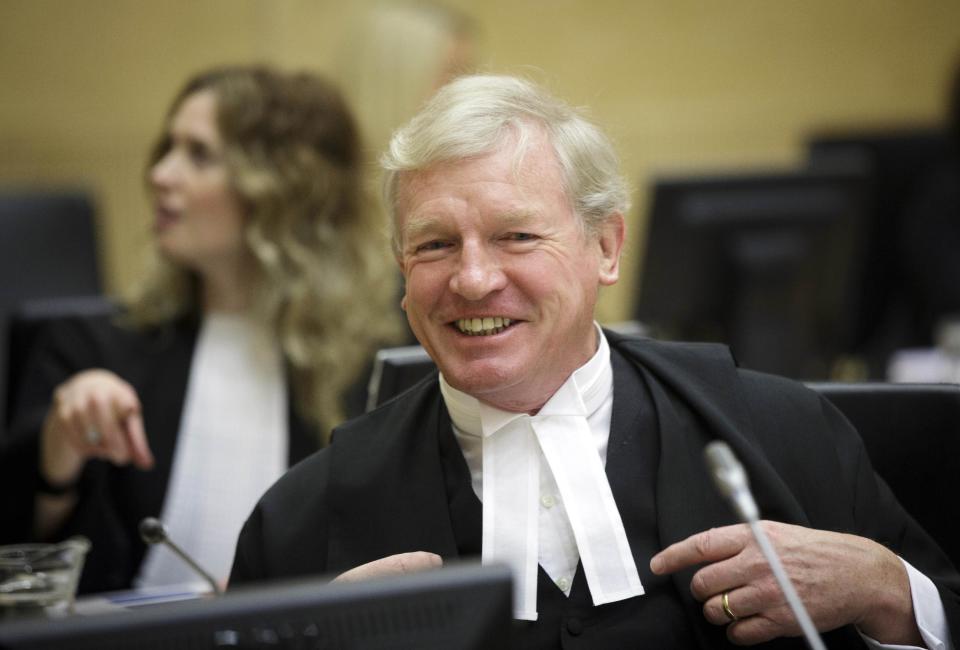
(479, 273)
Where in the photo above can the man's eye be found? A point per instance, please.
(431, 246)
(521, 236)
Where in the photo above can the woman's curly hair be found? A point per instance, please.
(324, 278)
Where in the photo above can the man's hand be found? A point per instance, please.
(95, 414)
(399, 564)
(841, 579)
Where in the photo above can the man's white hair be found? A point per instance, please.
(474, 114)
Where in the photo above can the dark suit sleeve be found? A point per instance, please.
(286, 535)
(248, 564)
(65, 347)
(62, 349)
(18, 484)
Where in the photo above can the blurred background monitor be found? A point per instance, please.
(460, 607)
(48, 249)
(765, 262)
(899, 163)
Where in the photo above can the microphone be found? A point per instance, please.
(152, 531)
(731, 481)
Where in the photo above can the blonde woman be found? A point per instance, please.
(231, 362)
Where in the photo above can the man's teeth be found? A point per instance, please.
(483, 326)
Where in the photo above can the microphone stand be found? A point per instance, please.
(152, 531)
(731, 481)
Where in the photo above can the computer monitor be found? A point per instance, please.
(900, 162)
(766, 262)
(460, 607)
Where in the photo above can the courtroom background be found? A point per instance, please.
(680, 85)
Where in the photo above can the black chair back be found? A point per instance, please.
(912, 433)
(48, 249)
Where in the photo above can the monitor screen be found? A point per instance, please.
(901, 163)
(461, 606)
(766, 262)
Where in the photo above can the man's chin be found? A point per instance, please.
(500, 389)
(470, 383)
(478, 379)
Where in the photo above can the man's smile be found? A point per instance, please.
(482, 326)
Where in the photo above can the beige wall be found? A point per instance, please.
(679, 84)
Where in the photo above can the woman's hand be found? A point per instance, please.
(94, 414)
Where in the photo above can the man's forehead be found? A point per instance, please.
(429, 220)
(520, 149)
(427, 202)
(532, 166)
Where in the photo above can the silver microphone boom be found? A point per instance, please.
(731, 481)
(152, 531)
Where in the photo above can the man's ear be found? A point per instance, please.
(403, 272)
(612, 233)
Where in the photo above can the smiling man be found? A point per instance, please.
(570, 453)
(483, 241)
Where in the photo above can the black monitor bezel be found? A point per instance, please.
(458, 606)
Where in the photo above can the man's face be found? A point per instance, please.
(501, 281)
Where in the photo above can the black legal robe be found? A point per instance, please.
(390, 483)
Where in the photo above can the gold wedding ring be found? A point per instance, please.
(725, 603)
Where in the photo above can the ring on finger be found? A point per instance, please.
(725, 604)
(93, 436)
